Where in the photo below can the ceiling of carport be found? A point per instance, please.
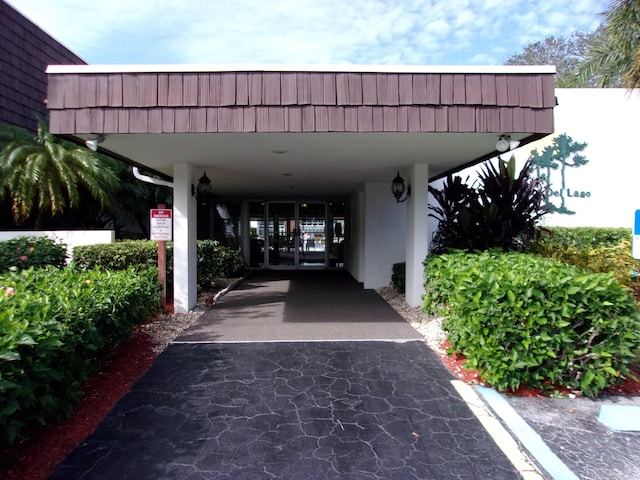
(301, 165)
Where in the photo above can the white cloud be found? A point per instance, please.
(306, 31)
(438, 28)
(483, 59)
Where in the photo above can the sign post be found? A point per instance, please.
(162, 230)
(636, 236)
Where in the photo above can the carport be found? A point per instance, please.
(292, 135)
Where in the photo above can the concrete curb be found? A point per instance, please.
(527, 436)
(229, 287)
(500, 435)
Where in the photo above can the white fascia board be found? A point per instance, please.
(346, 68)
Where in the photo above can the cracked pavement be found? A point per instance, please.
(312, 410)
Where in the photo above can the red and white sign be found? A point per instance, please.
(161, 224)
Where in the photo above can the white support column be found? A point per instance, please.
(184, 240)
(417, 233)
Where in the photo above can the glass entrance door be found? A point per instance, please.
(296, 234)
(312, 221)
(283, 236)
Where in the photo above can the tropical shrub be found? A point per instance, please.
(55, 327)
(26, 252)
(46, 174)
(398, 276)
(502, 212)
(457, 202)
(521, 319)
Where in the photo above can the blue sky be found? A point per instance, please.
(419, 32)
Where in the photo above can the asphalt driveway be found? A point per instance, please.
(319, 410)
(359, 397)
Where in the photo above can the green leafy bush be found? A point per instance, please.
(521, 319)
(398, 276)
(615, 259)
(217, 261)
(583, 238)
(55, 326)
(597, 250)
(26, 252)
(120, 255)
(214, 260)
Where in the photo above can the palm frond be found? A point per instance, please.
(43, 173)
(614, 58)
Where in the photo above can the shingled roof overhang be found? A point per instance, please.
(291, 131)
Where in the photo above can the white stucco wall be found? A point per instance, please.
(72, 238)
(385, 227)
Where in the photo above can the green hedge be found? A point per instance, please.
(120, 255)
(217, 261)
(596, 250)
(25, 252)
(521, 319)
(55, 326)
(583, 238)
(214, 260)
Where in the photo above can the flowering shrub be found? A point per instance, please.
(7, 291)
(55, 326)
(27, 252)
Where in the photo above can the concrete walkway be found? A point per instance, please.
(306, 376)
(294, 306)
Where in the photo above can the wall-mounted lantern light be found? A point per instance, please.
(204, 189)
(398, 189)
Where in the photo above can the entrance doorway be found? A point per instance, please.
(295, 234)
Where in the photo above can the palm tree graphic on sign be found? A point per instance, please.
(562, 153)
